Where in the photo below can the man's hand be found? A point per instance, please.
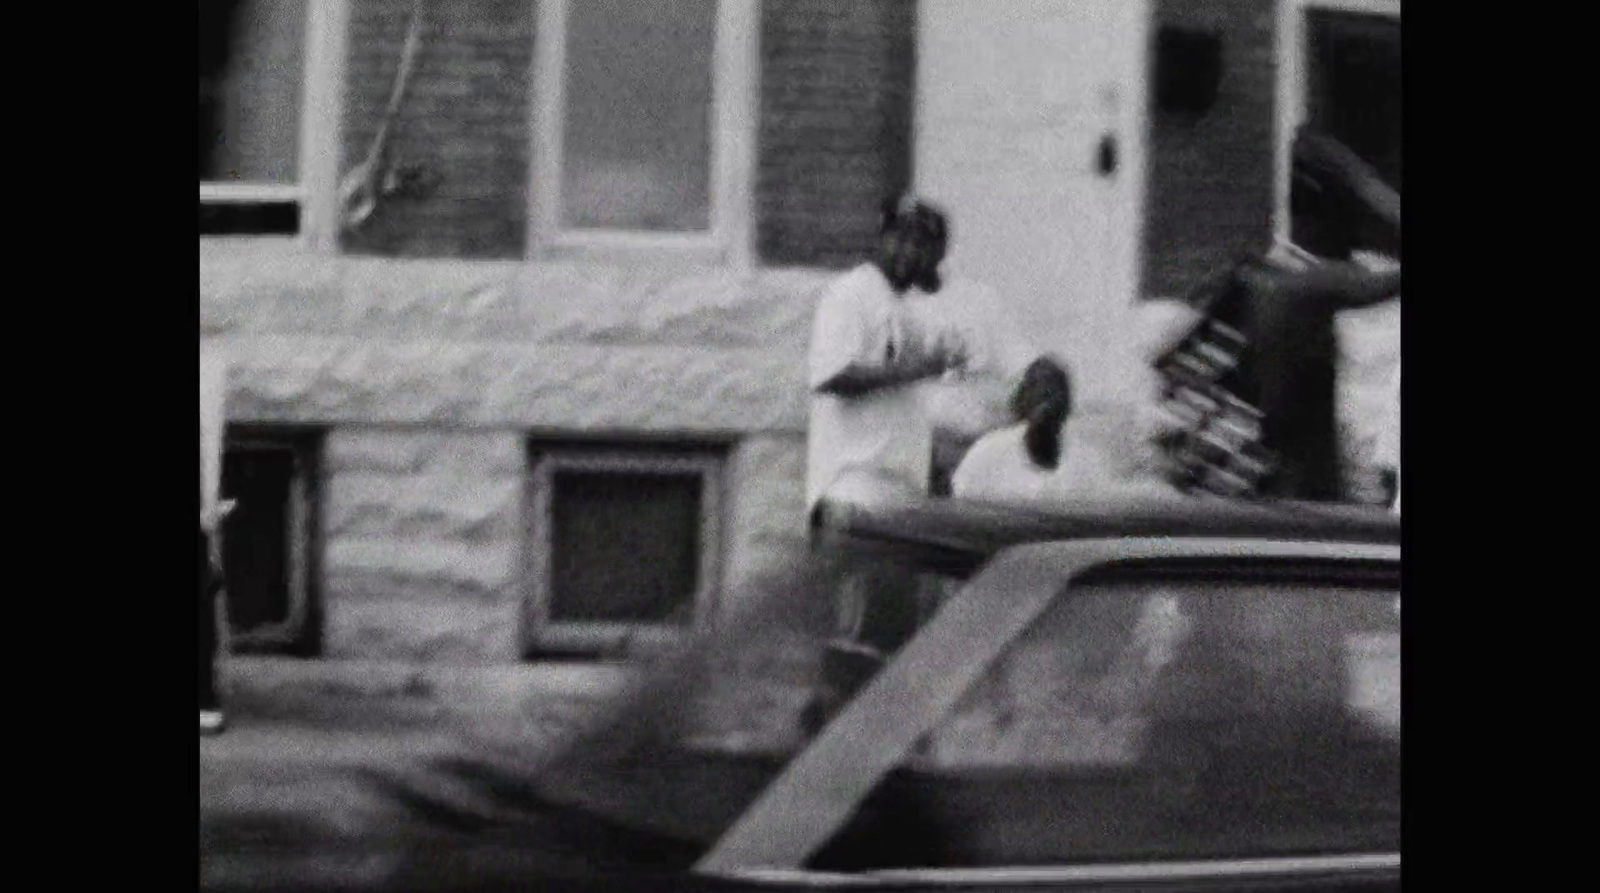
(921, 344)
(913, 354)
(950, 352)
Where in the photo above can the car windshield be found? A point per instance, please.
(1168, 712)
(1172, 718)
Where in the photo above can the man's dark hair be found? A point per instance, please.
(1043, 400)
(911, 215)
(912, 237)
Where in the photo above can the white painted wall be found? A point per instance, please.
(1013, 101)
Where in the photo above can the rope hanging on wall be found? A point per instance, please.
(376, 177)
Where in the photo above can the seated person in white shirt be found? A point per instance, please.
(1048, 454)
(1018, 462)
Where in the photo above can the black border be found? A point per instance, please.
(120, 780)
(112, 754)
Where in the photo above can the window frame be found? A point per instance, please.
(1293, 84)
(735, 68)
(315, 194)
(297, 632)
(540, 633)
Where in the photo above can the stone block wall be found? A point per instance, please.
(422, 530)
(429, 378)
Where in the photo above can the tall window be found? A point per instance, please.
(252, 55)
(266, 78)
(637, 142)
(1342, 79)
(644, 119)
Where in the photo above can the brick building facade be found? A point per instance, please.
(446, 426)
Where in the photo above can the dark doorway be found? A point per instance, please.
(267, 542)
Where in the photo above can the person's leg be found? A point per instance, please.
(1307, 463)
(208, 627)
(1298, 382)
(208, 654)
(876, 609)
(1317, 437)
(211, 720)
(889, 609)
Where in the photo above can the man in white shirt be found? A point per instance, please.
(881, 333)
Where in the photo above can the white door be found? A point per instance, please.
(1030, 131)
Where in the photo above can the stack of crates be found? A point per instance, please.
(1216, 447)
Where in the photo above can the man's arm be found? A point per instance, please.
(1335, 285)
(1350, 287)
(1322, 155)
(850, 358)
(857, 379)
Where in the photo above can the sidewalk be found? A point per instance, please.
(361, 693)
(354, 776)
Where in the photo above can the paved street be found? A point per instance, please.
(364, 795)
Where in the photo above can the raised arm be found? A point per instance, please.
(1350, 287)
(1325, 157)
(1336, 285)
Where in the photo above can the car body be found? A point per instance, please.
(1183, 694)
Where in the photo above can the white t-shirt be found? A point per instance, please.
(888, 432)
(998, 468)
(859, 321)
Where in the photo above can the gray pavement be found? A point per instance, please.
(324, 782)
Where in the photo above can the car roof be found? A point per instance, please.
(958, 535)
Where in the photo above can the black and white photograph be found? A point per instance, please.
(788, 445)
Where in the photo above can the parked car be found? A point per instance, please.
(1165, 695)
